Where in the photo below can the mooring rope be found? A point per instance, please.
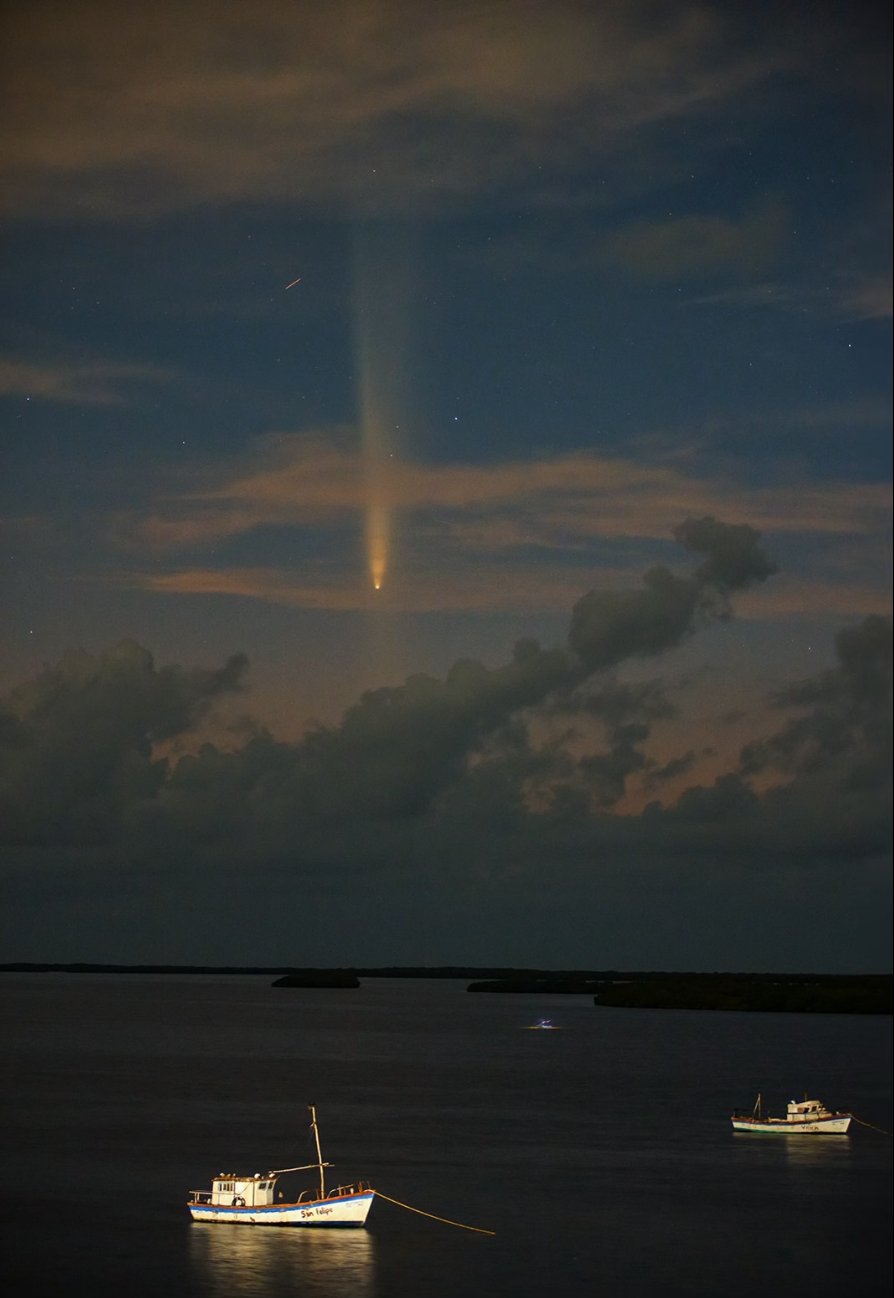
(478, 1229)
(870, 1126)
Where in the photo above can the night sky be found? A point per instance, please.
(446, 483)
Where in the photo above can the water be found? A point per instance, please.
(600, 1154)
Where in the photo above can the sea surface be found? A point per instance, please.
(600, 1154)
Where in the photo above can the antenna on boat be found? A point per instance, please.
(315, 1129)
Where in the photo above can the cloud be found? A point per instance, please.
(97, 383)
(839, 714)
(829, 798)
(530, 518)
(674, 768)
(869, 299)
(608, 627)
(80, 740)
(357, 101)
(489, 798)
(733, 557)
(323, 589)
(862, 297)
(510, 587)
(556, 500)
(683, 247)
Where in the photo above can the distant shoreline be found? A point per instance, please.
(609, 989)
(499, 972)
(380, 971)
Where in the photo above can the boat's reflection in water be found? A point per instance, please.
(811, 1151)
(239, 1260)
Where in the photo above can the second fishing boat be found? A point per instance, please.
(803, 1118)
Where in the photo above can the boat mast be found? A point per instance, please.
(315, 1129)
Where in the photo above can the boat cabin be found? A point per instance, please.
(806, 1110)
(229, 1190)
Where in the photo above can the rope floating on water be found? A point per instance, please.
(478, 1229)
(870, 1126)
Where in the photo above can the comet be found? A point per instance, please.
(294, 282)
(382, 340)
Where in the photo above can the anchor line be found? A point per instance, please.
(478, 1229)
(870, 1125)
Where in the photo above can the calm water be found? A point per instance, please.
(600, 1154)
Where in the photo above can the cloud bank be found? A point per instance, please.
(448, 814)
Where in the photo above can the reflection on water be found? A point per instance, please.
(238, 1260)
(811, 1151)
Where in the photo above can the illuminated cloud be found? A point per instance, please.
(83, 384)
(519, 535)
(555, 502)
(514, 588)
(509, 588)
(869, 299)
(275, 586)
(355, 100)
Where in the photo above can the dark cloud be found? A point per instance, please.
(82, 740)
(610, 626)
(82, 747)
(826, 773)
(844, 721)
(78, 741)
(459, 805)
(616, 701)
(733, 556)
(676, 767)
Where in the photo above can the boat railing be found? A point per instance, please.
(200, 1196)
(337, 1192)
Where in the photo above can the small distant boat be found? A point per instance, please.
(251, 1199)
(545, 1025)
(803, 1118)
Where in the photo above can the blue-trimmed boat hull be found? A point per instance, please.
(343, 1211)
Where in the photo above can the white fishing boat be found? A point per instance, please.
(802, 1118)
(542, 1025)
(252, 1199)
